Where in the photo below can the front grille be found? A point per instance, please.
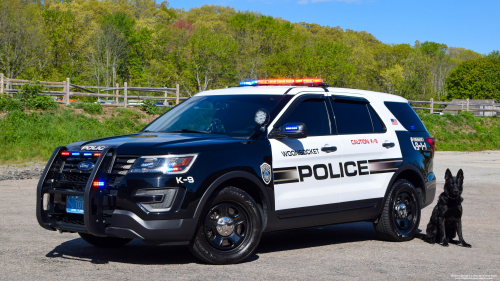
(76, 177)
(120, 169)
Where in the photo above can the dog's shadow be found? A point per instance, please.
(137, 252)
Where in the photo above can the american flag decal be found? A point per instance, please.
(394, 121)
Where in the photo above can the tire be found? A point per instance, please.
(229, 229)
(104, 242)
(401, 214)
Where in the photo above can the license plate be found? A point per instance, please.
(74, 204)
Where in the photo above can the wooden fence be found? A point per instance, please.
(465, 105)
(117, 93)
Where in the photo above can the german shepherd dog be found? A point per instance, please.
(446, 219)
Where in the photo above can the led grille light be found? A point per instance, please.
(97, 183)
(65, 153)
(75, 154)
(286, 81)
(87, 154)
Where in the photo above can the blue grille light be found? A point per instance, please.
(87, 154)
(77, 154)
(292, 128)
(412, 127)
(101, 183)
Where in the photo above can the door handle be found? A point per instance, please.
(329, 149)
(388, 144)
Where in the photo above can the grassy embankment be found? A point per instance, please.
(463, 131)
(32, 135)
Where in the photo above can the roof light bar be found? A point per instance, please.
(286, 81)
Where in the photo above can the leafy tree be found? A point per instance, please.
(475, 79)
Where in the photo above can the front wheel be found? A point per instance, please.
(229, 230)
(401, 214)
(104, 242)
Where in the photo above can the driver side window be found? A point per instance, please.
(313, 113)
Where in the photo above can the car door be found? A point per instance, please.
(371, 153)
(306, 171)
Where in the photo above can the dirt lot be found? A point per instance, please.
(347, 252)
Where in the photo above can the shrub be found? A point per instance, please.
(92, 108)
(150, 107)
(10, 104)
(31, 98)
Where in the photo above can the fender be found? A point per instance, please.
(401, 169)
(223, 178)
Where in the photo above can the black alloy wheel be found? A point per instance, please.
(404, 212)
(229, 230)
(401, 213)
(226, 226)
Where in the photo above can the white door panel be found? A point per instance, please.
(372, 163)
(302, 174)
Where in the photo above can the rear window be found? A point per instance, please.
(406, 116)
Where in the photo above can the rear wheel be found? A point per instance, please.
(401, 215)
(104, 242)
(229, 230)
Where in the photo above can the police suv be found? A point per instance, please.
(221, 168)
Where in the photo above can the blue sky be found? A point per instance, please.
(473, 25)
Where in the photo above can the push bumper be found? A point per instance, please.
(97, 219)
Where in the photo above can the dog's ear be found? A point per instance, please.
(447, 175)
(460, 174)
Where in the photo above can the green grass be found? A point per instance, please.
(463, 131)
(33, 136)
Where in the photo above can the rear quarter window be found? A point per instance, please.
(405, 115)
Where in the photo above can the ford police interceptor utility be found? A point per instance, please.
(221, 168)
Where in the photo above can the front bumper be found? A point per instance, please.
(101, 217)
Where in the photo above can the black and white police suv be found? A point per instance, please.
(221, 168)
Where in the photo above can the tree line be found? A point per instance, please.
(146, 43)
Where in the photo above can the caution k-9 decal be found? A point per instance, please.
(333, 171)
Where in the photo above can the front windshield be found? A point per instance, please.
(231, 115)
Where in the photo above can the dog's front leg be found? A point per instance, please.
(461, 241)
(442, 232)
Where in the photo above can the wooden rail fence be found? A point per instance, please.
(465, 105)
(7, 86)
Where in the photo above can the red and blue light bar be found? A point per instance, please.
(285, 81)
(78, 154)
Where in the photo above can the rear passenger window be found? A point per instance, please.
(354, 117)
(405, 115)
(378, 125)
(314, 114)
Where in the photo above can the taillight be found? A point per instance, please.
(431, 142)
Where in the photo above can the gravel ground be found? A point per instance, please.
(346, 252)
(31, 170)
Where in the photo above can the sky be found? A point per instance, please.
(469, 24)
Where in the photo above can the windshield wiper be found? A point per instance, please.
(186, 131)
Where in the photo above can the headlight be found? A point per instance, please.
(168, 164)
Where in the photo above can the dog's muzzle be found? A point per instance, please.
(401, 211)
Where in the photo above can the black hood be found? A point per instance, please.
(162, 143)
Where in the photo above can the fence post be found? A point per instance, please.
(117, 92)
(67, 90)
(467, 104)
(432, 105)
(166, 101)
(1, 83)
(177, 95)
(125, 94)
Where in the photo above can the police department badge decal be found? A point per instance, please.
(265, 170)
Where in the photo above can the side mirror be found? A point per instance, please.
(289, 131)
